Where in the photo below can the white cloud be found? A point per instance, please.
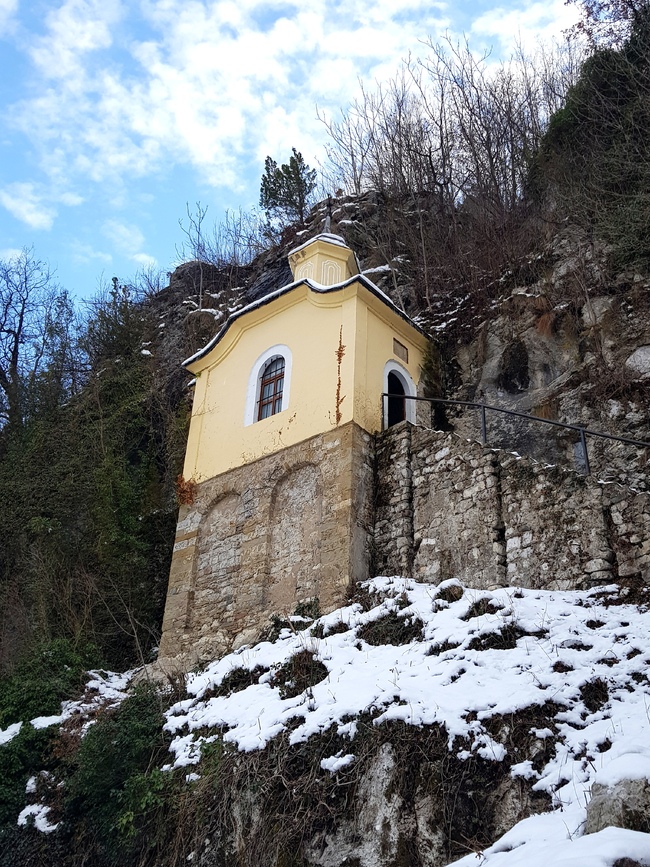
(144, 260)
(82, 254)
(25, 204)
(526, 25)
(128, 241)
(124, 90)
(127, 238)
(8, 9)
(10, 253)
(70, 199)
(74, 29)
(210, 83)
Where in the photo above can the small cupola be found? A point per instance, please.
(325, 259)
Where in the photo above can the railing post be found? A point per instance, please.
(483, 425)
(585, 454)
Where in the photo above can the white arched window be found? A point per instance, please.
(268, 384)
(398, 382)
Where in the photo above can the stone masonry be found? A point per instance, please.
(288, 528)
(450, 508)
(311, 520)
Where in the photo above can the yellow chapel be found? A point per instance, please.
(288, 396)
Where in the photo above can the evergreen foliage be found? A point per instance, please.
(24, 755)
(594, 161)
(51, 673)
(286, 191)
(87, 503)
(115, 787)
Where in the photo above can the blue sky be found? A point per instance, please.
(116, 114)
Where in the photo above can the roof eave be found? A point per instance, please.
(315, 287)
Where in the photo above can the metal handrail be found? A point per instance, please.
(483, 407)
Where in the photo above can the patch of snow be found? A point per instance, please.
(338, 240)
(554, 838)
(462, 689)
(43, 722)
(335, 763)
(631, 761)
(37, 813)
(213, 311)
(380, 269)
(9, 733)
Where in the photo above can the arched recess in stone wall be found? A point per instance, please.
(295, 539)
(218, 561)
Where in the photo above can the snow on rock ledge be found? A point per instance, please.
(549, 688)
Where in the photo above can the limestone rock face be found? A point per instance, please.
(639, 361)
(568, 345)
(624, 805)
(371, 837)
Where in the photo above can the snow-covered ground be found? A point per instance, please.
(104, 689)
(478, 654)
(574, 649)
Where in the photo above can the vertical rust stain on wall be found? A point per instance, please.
(340, 352)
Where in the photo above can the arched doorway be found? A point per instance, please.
(397, 382)
(396, 405)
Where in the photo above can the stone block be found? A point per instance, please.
(623, 805)
(597, 565)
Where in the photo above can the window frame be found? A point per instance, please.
(275, 380)
(251, 410)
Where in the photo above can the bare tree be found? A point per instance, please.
(608, 22)
(230, 244)
(449, 141)
(32, 309)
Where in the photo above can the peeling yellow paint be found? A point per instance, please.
(340, 352)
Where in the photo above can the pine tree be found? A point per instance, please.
(286, 191)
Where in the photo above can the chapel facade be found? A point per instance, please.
(288, 396)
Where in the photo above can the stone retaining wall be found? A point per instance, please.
(312, 519)
(489, 518)
(258, 540)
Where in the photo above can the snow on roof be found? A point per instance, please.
(324, 236)
(315, 287)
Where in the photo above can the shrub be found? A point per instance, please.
(52, 672)
(116, 789)
(392, 629)
(300, 672)
(21, 757)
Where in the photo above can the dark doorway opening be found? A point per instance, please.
(396, 404)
